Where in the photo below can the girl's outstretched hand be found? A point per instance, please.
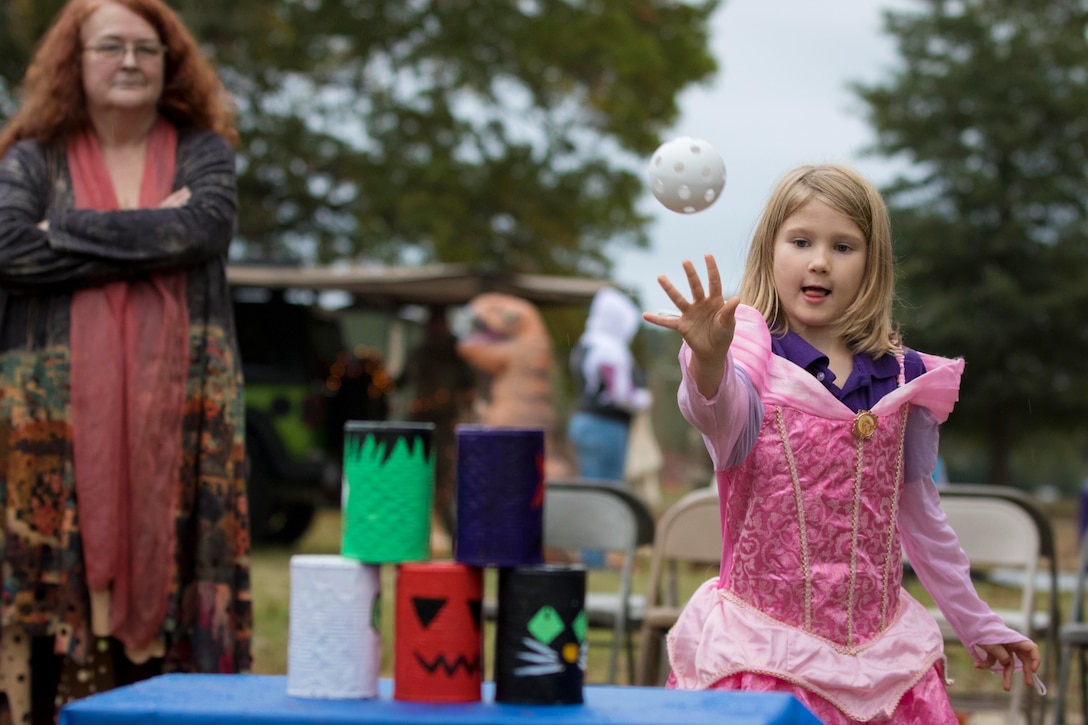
(707, 321)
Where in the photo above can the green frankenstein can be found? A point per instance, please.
(388, 484)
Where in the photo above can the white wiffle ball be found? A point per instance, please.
(686, 174)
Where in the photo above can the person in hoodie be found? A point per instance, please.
(609, 385)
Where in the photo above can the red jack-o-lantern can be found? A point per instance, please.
(438, 653)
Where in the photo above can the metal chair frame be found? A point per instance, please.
(594, 514)
(689, 532)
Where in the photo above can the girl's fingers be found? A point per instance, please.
(714, 281)
(729, 310)
(672, 292)
(667, 321)
(1030, 659)
(694, 282)
(1029, 665)
(713, 278)
(1006, 657)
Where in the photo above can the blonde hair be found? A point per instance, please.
(867, 324)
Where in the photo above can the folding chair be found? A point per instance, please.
(689, 532)
(1073, 638)
(592, 514)
(996, 532)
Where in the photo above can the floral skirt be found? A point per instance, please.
(44, 593)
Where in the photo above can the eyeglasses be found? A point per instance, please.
(116, 51)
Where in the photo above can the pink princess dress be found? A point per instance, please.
(815, 516)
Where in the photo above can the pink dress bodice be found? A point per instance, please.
(812, 513)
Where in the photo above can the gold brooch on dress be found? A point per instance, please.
(864, 425)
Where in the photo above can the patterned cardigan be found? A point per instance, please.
(209, 617)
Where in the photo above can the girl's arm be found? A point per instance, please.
(729, 422)
(944, 569)
(716, 396)
(729, 419)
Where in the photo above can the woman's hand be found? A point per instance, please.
(176, 199)
(1006, 655)
(708, 321)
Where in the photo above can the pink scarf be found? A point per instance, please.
(130, 349)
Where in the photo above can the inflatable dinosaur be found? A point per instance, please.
(509, 344)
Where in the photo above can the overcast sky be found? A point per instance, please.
(780, 99)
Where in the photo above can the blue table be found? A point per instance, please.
(260, 699)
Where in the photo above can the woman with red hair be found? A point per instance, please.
(122, 458)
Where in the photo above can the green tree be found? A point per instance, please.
(989, 111)
(502, 134)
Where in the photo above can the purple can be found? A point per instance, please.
(500, 496)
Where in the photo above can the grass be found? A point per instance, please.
(271, 580)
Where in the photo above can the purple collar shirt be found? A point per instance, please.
(869, 381)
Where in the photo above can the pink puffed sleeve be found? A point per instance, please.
(936, 556)
(729, 420)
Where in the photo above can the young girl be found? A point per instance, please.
(823, 431)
